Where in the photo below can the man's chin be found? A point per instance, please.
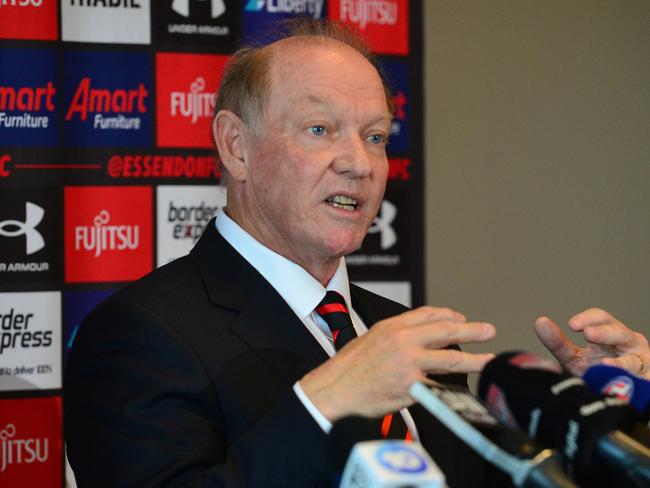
(342, 245)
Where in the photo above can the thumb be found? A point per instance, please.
(556, 341)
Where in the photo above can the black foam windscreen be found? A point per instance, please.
(554, 407)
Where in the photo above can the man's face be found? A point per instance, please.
(317, 167)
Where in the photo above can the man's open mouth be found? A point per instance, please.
(341, 201)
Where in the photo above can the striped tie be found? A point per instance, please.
(334, 311)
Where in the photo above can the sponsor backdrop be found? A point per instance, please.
(107, 171)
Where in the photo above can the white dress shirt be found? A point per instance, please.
(302, 292)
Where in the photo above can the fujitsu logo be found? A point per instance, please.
(101, 237)
(182, 7)
(21, 3)
(382, 225)
(33, 239)
(21, 451)
(90, 100)
(364, 12)
(194, 104)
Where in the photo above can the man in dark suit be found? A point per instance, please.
(217, 369)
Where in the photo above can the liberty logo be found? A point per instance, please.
(382, 224)
(19, 451)
(182, 7)
(194, 104)
(255, 5)
(311, 7)
(34, 239)
(101, 237)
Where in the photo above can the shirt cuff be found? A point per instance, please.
(320, 419)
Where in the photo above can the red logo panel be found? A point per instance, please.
(31, 442)
(108, 233)
(185, 85)
(384, 23)
(28, 19)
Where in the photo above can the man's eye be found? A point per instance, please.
(317, 130)
(377, 139)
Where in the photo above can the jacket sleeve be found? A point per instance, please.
(141, 411)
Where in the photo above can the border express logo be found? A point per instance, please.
(199, 22)
(35, 20)
(383, 22)
(183, 213)
(30, 226)
(31, 442)
(107, 99)
(185, 87)
(259, 13)
(30, 341)
(28, 97)
(108, 21)
(108, 233)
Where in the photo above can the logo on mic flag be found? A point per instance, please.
(400, 458)
(620, 387)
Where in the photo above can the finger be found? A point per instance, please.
(444, 361)
(555, 340)
(610, 335)
(441, 334)
(592, 316)
(423, 315)
(633, 363)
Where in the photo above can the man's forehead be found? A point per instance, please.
(326, 103)
(305, 59)
(302, 51)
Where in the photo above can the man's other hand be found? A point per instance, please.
(609, 342)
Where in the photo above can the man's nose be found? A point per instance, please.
(352, 158)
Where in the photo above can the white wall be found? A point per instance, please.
(537, 145)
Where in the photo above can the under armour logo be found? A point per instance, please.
(182, 7)
(34, 239)
(382, 224)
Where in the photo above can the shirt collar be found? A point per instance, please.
(296, 286)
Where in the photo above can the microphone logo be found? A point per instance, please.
(620, 387)
(400, 458)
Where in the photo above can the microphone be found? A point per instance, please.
(379, 463)
(619, 383)
(600, 437)
(528, 464)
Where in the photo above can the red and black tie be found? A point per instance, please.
(334, 311)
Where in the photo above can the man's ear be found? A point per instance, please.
(231, 137)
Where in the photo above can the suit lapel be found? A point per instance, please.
(372, 308)
(263, 320)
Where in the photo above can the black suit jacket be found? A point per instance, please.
(184, 378)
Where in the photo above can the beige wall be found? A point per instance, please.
(537, 144)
